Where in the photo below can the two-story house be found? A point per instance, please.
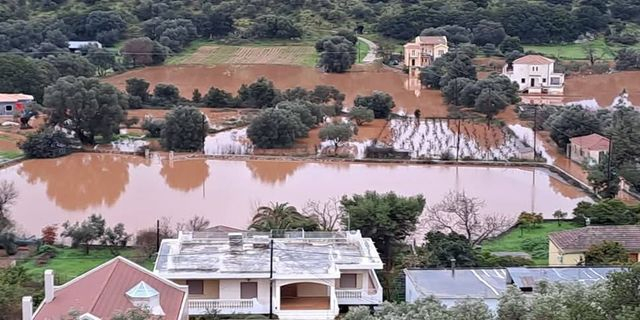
(297, 275)
(424, 50)
(535, 74)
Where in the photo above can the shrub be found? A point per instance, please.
(146, 240)
(48, 143)
(154, 127)
(49, 249)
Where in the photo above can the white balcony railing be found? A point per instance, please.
(225, 306)
(349, 294)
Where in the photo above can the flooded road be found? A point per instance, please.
(406, 91)
(137, 191)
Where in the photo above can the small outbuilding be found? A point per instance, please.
(590, 149)
(13, 102)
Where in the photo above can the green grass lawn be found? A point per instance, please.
(575, 51)
(533, 241)
(70, 263)
(363, 49)
(10, 155)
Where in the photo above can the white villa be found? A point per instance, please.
(535, 74)
(298, 275)
(424, 50)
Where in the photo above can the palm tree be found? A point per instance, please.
(281, 216)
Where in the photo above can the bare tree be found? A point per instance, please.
(460, 213)
(8, 196)
(327, 213)
(591, 52)
(197, 223)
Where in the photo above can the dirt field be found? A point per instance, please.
(212, 55)
(216, 116)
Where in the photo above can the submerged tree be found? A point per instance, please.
(337, 134)
(185, 130)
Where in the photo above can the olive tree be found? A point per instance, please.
(185, 129)
(86, 106)
(379, 102)
(48, 143)
(361, 115)
(276, 128)
(337, 133)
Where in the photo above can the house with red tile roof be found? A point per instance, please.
(13, 102)
(590, 149)
(569, 247)
(112, 288)
(424, 50)
(535, 74)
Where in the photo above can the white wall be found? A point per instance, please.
(230, 289)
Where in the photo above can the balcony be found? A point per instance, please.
(226, 306)
(364, 296)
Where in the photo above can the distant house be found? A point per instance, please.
(451, 287)
(535, 74)
(569, 247)
(590, 149)
(13, 102)
(111, 288)
(296, 275)
(76, 46)
(424, 50)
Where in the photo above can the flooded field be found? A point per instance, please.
(407, 92)
(137, 191)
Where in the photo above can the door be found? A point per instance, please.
(248, 290)
(533, 82)
(413, 62)
(348, 281)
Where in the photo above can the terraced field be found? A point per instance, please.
(222, 54)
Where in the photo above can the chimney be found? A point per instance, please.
(48, 286)
(453, 268)
(235, 241)
(27, 308)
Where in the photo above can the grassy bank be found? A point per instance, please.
(576, 51)
(255, 52)
(70, 263)
(363, 49)
(533, 241)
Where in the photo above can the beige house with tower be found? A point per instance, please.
(424, 50)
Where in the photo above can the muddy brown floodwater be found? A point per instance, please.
(137, 191)
(406, 90)
(604, 88)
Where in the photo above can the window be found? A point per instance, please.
(348, 280)
(523, 80)
(195, 286)
(8, 108)
(544, 80)
(440, 52)
(248, 290)
(555, 80)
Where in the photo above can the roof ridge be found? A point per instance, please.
(104, 284)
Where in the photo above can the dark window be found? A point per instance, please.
(544, 80)
(248, 290)
(523, 80)
(8, 108)
(348, 280)
(195, 286)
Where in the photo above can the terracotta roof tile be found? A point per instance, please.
(533, 59)
(578, 240)
(593, 142)
(102, 290)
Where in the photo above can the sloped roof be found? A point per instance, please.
(593, 142)
(433, 39)
(578, 240)
(14, 97)
(102, 292)
(533, 59)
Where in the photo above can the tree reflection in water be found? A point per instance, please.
(80, 181)
(273, 172)
(185, 175)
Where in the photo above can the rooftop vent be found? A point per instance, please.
(235, 241)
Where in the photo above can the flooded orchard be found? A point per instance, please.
(405, 90)
(137, 191)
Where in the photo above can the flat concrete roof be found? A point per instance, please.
(211, 255)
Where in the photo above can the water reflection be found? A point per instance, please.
(185, 174)
(80, 181)
(273, 172)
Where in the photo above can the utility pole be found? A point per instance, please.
(157, 235)
(610, 155)
(535, 125)
(458, 142)
(271, 280)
